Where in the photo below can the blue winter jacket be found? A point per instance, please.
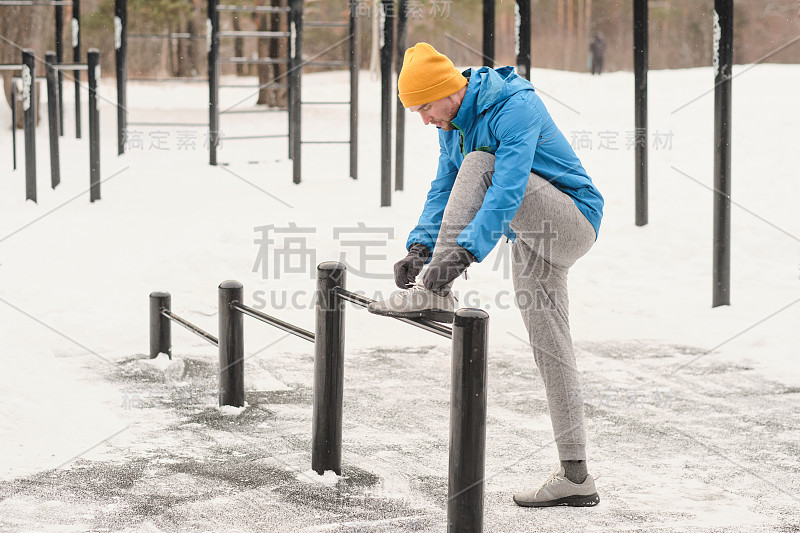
(502, 114)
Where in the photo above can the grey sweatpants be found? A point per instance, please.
(551, 235)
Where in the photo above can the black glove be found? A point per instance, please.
(442, 272)
(407, 269)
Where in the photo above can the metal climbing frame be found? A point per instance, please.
(121, 37)
(296, 82)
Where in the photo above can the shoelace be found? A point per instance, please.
(415, 287)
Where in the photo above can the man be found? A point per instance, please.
(504, 169)
(597, 49)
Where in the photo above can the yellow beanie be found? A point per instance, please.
(427, 76)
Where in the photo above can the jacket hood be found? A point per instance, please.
(487, 87)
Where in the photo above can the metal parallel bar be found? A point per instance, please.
(191, 327)
(160, 325)
(69, 67)
(14, 121)
(166, 80)
(52, 118)
(93, 58)
(326, 64)
(255, 9)
(254, 34)
(256, 61)
(231, 345)
(488, 33)
(325, 142)
(29, 107)
(322, 24)
(296, 89)
(250, 111)
(523, 38)
(59, 16)
(168, 124)
(212, 46)
(77, 33)
(467, 449)
(121, 68)
(640, 69)
(21, 3)
(165, 36)
(326, 103)
(10, 67)
(272, 321)
(400, 111)
(254, 137)
(267, 86)
(355, 65)
(429, 325)
(326, 425)
(723, 79)
(388, 97)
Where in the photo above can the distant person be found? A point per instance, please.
(504, 169)
(597, 49)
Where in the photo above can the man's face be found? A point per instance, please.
(438, 113)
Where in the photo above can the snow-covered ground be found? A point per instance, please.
(692, 411)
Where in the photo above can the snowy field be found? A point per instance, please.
(692, 412)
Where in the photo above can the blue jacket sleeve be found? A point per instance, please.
(516, 127)
(430, 222)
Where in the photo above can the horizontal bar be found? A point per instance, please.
(191, 327)
(251, 137)
(267, 86)
(11, 67)
(254, 34)
(326, 64)
(272, 321)
(61, 66)
(325, 142)
(254, 61)
(164, 80)
(429, 325)
(255, 9)
(321, 24)
(324, 103)
(165, 36)
(250, 111)
(167, 124)
(34, 3)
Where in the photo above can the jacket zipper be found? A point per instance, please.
(461, 143)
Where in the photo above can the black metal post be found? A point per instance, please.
(326, 429)
(231, 345)
(29, 107)
(121, 57)
(76, 58)
(290, 78)
(467, 422)
(723, 65)
(355, 66)
(640, 67)
(93, 62)
(14, 121)
(160, 326)
(522, 16)
(297, 84)
(52, 117)
(212, 45)
(387, 48)
(59, 59)
(488, 33)
(400, 131)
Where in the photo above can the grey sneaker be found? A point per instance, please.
(416, 302)
(558, 490)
